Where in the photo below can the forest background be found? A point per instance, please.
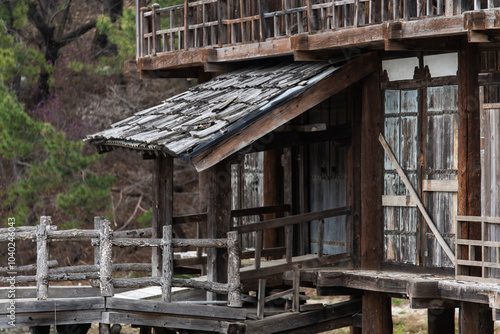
(61, 78)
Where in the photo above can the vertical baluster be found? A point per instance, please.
(168, 264)
(263, 24)
(288, 29)
(243, 27)
(356, 12)
(300, 27)
(429, 8)
(276, 25)
(261, 298)
(448, 7)
(384, 16)
(187, 38)
(205, 28)
(335, 21)
(477, 4)
(155, 26)
(395, 7)
(172, 34)
(144, 30)
(439, 7)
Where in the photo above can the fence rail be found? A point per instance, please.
(208, 23)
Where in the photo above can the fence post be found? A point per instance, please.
(106, 265)
(42, 259)
(233, 270)
(97, 249)
(168, 265)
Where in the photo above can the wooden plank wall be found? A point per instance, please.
(327, 177)
(441, 163)
(421, 126)
(401, 133)
(490, 179)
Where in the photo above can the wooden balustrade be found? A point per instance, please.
(207, 23)
(483, 253)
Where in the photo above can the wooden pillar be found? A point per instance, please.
(441, 321)
(218, 221)
(273, 194)
(354, 173)
(376, 306)
(163, 195)
(376, 310)
(475, 318)
(469, 159)
(372, 230)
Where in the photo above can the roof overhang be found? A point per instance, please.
(233, 118)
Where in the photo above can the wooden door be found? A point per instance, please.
(327, 178)
(440, 172)
(400, 216)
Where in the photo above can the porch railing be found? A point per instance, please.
(207, 23)
(478, 256)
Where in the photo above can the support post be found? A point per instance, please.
(376, 310)
(97, 250)
(218, 222)
(168, 265)
(106, 266)
(261, 298)
(441, 321)
(475, 318)
(155, 26)
(372, 230)
(376, 306)
(42, 259)
(469, 159)
(163, 193)
(233, 270)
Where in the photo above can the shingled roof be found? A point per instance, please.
(191, 122)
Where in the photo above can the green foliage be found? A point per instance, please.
(53, 163)
(146, 219)
(15, 58)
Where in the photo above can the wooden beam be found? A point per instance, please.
(338, 134)
(424, 44)
(371, 175)
(469, 159)
(343, 78)
(163, 195)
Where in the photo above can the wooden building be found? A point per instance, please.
(387, 109)
(379, 124)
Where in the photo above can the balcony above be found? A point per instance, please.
(214, 35)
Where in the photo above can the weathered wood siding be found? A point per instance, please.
(327, 177)
(441, 163)
(490, 179)
(248, 188)
(401, 133)
(426, 132)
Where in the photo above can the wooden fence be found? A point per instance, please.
(103, 239)
(205, 23)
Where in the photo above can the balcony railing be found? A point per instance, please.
(206, 23)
